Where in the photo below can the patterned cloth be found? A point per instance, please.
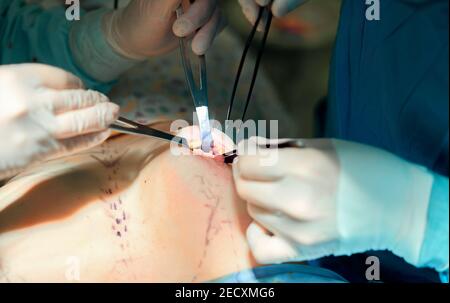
(157, 89)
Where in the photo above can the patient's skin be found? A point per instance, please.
(127, 211)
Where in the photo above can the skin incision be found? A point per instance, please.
(129, 210)
(221, 142)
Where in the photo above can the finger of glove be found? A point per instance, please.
(251, 11)
(304, 233)
(258, 193)
(268, 248)
(41, 75)
(281, 8)
(87, 120)
(197, 15)
(206, 35)
(69, 100)
(253, 168)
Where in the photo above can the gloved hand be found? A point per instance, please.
(146, 27)
(280, 8)
(332, 198)
(45, 112)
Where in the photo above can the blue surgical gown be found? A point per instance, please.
(28, 33)
(389, 88)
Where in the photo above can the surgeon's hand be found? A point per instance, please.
(149, 27)
(280, 8)
(331, 198)
(45, 112)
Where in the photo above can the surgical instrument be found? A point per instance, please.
(126, 126)
(262, 10)
(266, 10)
(288, 143)
(199, 93)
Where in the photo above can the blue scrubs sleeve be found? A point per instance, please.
(435, 248)
(28, 33)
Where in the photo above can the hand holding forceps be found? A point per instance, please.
(199, 93)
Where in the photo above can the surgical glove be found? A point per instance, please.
(279, 7)
(331, 198)
(146, 27)
(45, 112)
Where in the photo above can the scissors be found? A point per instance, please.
(199, 93)
(126, 126)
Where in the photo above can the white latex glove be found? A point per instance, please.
(45, 112)
(332, 198)
(280, 8)
(148, 27)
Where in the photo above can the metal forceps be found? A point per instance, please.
(229, 157)
(262, 10)
(289, 143)
(199, 93)
(126, 126)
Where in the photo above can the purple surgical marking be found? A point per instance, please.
(110, 163)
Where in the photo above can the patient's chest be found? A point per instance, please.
(72, 225)
(120, 216)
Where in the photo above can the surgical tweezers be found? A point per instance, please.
(126, 126)
(199, 93)
(266, 10)
(288, 143)
(229, 157)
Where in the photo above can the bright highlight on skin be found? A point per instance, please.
(222, 143)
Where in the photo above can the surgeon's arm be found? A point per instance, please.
(340, 198)
(31, 33)
(434, 252)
